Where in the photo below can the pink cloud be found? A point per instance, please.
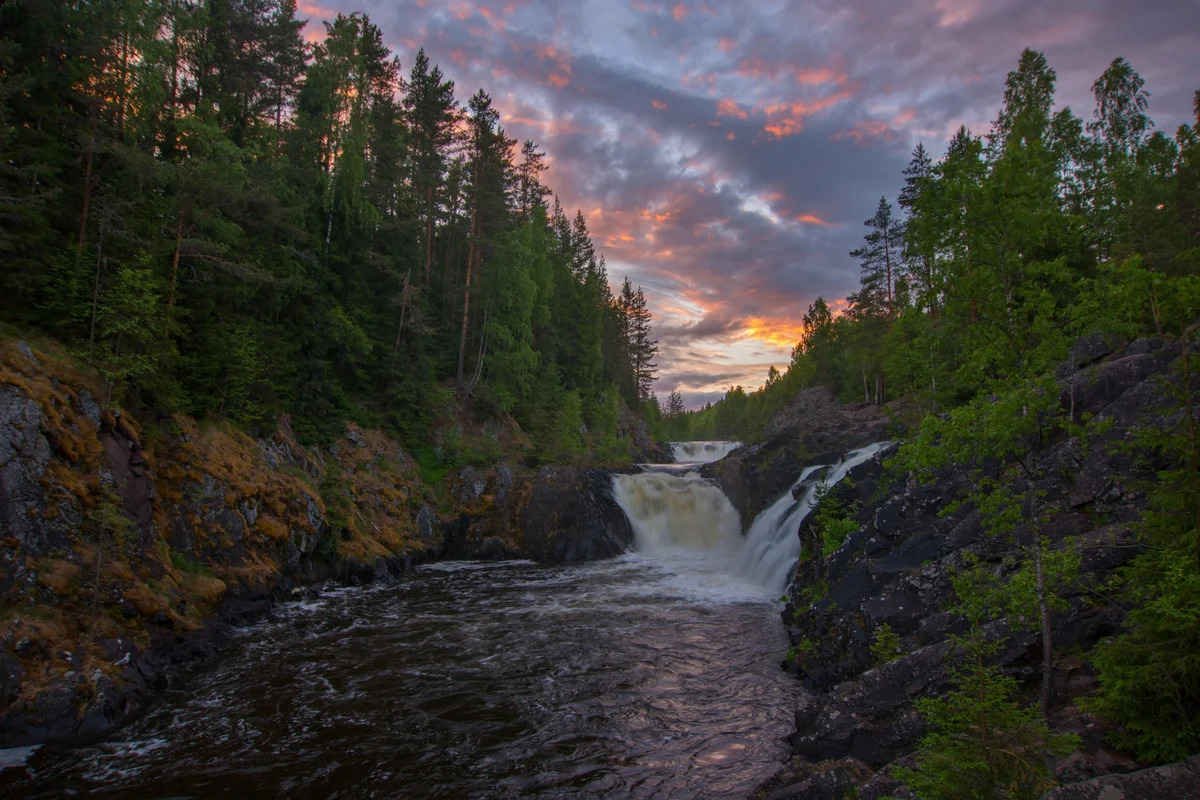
(729, 108)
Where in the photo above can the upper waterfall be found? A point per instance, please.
(701, 452)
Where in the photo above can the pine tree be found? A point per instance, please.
(431, 113)
(879, 263)
(919, 254)
(642, 348)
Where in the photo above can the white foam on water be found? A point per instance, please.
(701, 452)
(688, 526)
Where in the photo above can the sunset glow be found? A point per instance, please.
(726, 155)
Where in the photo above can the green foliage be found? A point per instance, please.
(183, 563)
(339, 505)
(566, 438)
(801, 650)
(1009, 591)
(833, 519)
(885, 644)
(1150, 673)
(982, 742)
(228, 221)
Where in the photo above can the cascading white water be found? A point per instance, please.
(701, 452)
(772, 545)
(677, 511)
(672, 513)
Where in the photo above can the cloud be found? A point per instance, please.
(726, 154)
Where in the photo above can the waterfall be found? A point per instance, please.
(671, 513)
(772, 544)
(701, 452)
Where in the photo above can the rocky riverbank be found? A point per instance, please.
(893, 573)
(128, 547)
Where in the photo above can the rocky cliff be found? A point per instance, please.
(127, 546)
(857, 716)
(814, 428)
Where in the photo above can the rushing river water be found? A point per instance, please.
(652, 675)
(633, 677)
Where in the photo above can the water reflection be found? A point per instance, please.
(626, 678)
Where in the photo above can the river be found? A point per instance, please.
(633, 677)
(651, 675)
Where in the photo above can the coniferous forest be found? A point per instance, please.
(277, 314)
(230, 222)
(1001, 254)
(1004, 254)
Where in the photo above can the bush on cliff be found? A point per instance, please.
(983, 743)
(1150, 674)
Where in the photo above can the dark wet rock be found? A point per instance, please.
(813, 429)
(1088, 350)
(571, 516)
(826, 780)
(502, 483)
(24, 456)
(426, 523)
(1179, 780)
(897, 569)
(11, 674)
(129, 473)
(468, 486)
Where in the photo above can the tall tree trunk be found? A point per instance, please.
(173, 89)
(472, 249)
(478, 373)
(428, 232)
(96, 291)
(404, 292)
(175, 264)
(1047, 633)
(123, 99)
(85, 206)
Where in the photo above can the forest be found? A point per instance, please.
(230, 222)
(1003, 254)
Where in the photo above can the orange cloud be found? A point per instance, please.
(659, 104)
(866, 131)
(679, 12)
(315, 10)
(730, 108)
(819, 75)
(559, 75)
(773, 331)
(756, 67)
(952, 13)
(787, 119)
(760, 69)
(726, 44)
(812, 219)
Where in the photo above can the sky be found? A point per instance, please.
(725, 154)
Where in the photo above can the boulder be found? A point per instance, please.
(1180, 780)
(571, 516)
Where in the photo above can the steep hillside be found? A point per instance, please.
(880, 619)
(127, 546)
